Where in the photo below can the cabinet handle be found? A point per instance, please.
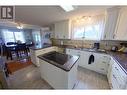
(103, 62)
(102, 69)
(116, 68)
(114, 76)
(78, 55)
(113, 36)
(104, 56)
(105, 36)
(79, 52)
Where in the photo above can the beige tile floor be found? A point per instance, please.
(29, 78)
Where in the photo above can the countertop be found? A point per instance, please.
(118, 56)
(66, 66)
(38, 47)
(121, 58)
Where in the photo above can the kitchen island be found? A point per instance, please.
(59, 70)
(39, 50)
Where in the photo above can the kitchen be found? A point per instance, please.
(85, 48)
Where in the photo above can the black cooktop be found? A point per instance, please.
(57, 57)
(61, 60)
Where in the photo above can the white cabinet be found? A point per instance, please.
(121, 29)
(110, 25)
(85, 60)
(116, 76)
(101, 63)
(57, 77)
(35, 53)
(63, 29)
(76, 52)
(115, 26)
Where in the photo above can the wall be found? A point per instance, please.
(87, 43)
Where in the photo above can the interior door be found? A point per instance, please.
(37, 37)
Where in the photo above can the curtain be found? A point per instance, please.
(90, 28)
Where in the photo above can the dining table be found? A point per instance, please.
(10, 49)
(15, 49)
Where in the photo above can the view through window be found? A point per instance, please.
(89, 29)
(13, 36)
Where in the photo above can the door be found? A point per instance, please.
(37, 37)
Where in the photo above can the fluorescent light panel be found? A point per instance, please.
(67, 8)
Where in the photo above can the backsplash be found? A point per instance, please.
(107, 45)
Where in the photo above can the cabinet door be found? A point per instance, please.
(67, 29)
(110, 71)
(101, 63)
(111, 20)
(62, 29)
(121, 30)
(85, 60)
(75, 52)
(58, 29)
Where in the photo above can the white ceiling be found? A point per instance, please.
(45, 15)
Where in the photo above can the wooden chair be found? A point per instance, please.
(22, 49)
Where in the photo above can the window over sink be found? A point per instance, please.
(88, 28)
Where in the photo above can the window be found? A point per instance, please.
(91, 29)
(12, 36)
(19, 36)
(8, 36)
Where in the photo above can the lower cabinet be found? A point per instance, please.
(117, 78)
(75, 52)
(101, 63)
(94, 61)
(104, 64)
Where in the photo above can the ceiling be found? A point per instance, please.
(46, 15)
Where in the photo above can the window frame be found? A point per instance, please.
(7, 30)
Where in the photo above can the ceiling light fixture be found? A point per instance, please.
(67, 8)
(19, 26)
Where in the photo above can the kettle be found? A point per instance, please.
(114, 48)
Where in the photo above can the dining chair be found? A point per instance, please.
(11, 43)
(22, 49)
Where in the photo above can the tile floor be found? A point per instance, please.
(29, 78)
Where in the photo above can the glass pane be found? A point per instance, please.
(19, 37)
(92, 32)
(8, 36)
(37, 37)
(78, 34)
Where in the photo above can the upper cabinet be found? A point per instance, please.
(110, 25)
(121, 28)
(63, 29)
(115, 26)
